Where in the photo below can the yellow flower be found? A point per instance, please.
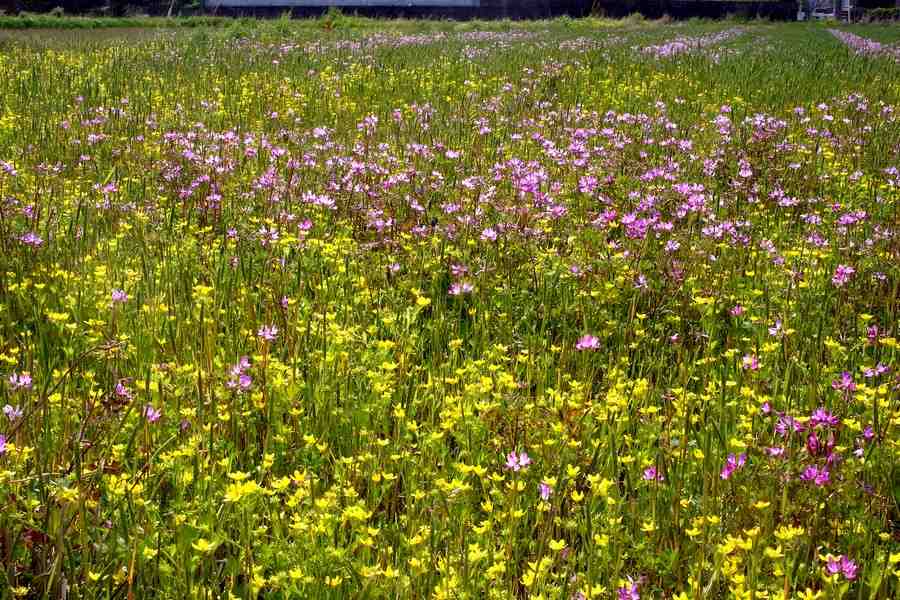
(786, 533)
(238, 491)
(203, 546)
(557, 545)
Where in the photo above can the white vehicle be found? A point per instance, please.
(821, 13)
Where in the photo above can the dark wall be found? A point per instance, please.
(710, 9)
(489, 9)
(80, 7)
(714, 9)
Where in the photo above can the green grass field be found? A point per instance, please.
(356, 309)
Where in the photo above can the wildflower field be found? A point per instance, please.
(560, 310)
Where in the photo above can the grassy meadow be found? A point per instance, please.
(347, 309)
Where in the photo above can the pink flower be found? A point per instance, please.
(546, 490)
(732, 464)
(489, 235)
(849, 568)
(651, 474)
(268, 333)
(152, 415)
(13, 413)
(31, 239)
(845, 383)
(750, 362)
(20, 381)
(841, 565)
(879, 369)
(822, 417)
(629, 591)
(516, 462)
(842, 275)
(833, 565)
(122, 391)
(737, 310)
(460, 288)
(872, 333)
(119, 296)
(820, 477)
(587, 342)
(2, 445)
(239, 380)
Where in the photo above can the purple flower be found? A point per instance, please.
(842, 275)
(516, 462)
(119, 296)
(458, 270)
(460, 288)
(489, 235)
(31, 239)
(845, 383)
(812, 444)
(737, 310)
(775, 451)
(787, 425)
(122, 391)
(849, 568)
(152, 415)
(239, 380)
(20, 381)
(879, 369)
(872, 333)
(833, 565)
(587, 342)
(268, 332)
(546, 490)
(750, 362)
(822, 417)
(2, 445)
(13, 413)
(732, 464)
(820, 477)
(629, 591)
(651, 474)
(841, 565)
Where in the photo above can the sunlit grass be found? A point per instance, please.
(449, 310)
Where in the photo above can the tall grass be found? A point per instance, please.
(454, 313)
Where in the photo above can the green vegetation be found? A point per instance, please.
(570, 309)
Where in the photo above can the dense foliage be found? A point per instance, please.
(569, 310)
